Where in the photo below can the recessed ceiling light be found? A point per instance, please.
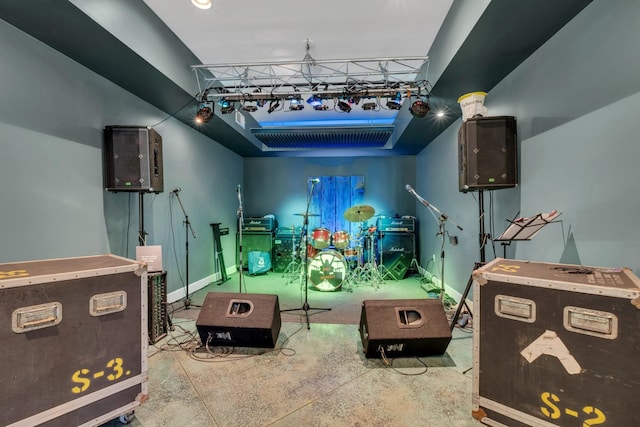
(202, 4)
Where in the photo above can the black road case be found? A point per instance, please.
(555, 345)
(74, 340)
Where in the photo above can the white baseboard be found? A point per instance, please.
(196, 286)
(453, 293)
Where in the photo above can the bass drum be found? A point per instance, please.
(327, 270)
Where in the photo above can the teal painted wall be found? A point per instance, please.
(279, 185)
(576, 100)
(52, 112)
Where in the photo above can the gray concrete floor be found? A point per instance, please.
(316, 376)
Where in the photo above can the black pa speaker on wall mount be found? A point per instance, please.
(239, 320)
(487, 156)
(133, 159)
(404, 327)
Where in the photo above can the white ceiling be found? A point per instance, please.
(243, 31)
(490, 37)
(236, 31)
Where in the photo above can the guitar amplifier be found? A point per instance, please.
(259, 224)
(397, 225)
(288, 231)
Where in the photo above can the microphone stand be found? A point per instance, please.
(441, 219)
(187, 226)
(240, 215)
(305, 228)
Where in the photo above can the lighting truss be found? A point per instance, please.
(326, 79)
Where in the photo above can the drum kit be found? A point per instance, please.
(339, 259)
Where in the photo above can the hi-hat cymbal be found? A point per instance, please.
(307, 214)
(359, 213)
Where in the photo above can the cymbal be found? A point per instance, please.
(307, 214)
(359, 213)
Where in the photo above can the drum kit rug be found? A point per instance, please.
(336, 260)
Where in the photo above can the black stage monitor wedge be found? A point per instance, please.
(487, 156)
(404, 328)
(133, 159)
(239, 320)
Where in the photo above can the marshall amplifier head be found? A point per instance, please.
(405, 224)
(264, 224)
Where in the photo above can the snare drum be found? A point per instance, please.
(340, 239)
(320, 238)
(327, 270)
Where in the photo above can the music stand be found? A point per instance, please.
(522, 229)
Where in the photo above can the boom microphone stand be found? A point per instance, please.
(442, 219)
(187, 226)
(305, 263)
(240, 225)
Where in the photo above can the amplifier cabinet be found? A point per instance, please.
(254, 242)
(397, 251)
(74, 340)
(555, 344)
(284, 250)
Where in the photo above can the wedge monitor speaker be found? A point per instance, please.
(487, 157)
(239, 320)
(404, 327)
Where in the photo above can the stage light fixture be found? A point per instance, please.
(273, 106)
(344, 107)
(202, 4)
(296, 105)
(314, 100)
(369, 106)
(394, 103)
(226, 107)
(261, 102)
(204, 113)
(249, 108)
(419, 109)
(321, 107)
